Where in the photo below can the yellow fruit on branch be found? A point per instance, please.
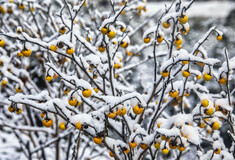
(143, 146)
(166, 24)
(48, 78)
(207, 77)
(53, 48)
(157, 145)
(101, 48)
(62, 126)
(78, 126)
(86, 93)
(26, 52)
(209, 111)
(173, 93)
(215, 125)
(204, 102)
(47, 122)
(219, 38)
(112, 114)
(72, 101)
(62, 30)
(111, 34)
(2, 43)
(217, 151)
(133, 144)
(159, 38)
(70, 51)
(186, 73)
(97, 140)
(104, 30)
(137, 110)
(165, 151)
(183, 19)
(147, 39)
(164, 74)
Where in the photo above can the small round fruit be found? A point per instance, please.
(18, 89)
(143, 146)
(133, 144)
(124, 44)
(207, 77)
(104, 30)
(42, 115)
(181, 148)
(222, 81)
(199, 77)
(157, 145)
(126, 150)
(26, 52)
(101, 48)
(97, 140)
(96, 90)
(173, 93)
(112, 114)
(11, 109)
(47, 123)
(219, 38)
(186, 73)
(62, 126)
(172, 145)
(215, 125)
(164, 74)
(183, 19)
(86, 93)
(217, 151)
(62, 30)
(70, 51)
(78, 126)
(184, 62)
(123, 111)
(48, 78)
(72, 101)
(178, 41)
(147, 39)
(166, 24)
(18, 111)
(111, 34)
(137, 110)
(209, 111)
(119, 111)
(53, 48)
(111, 154)
(4, 83)
(2, 43)
(160, 39)
(165, 151)
(122, 29)
(21, 6)
(205, 103)
(202, 124)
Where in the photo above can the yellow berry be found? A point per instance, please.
(42, 114)
(111, 154)
(147, 39)
(215, 125)
(222, 81)
(207, 77)
(11, 109)
(217, 151)
(123, 111)
(133, 144)
(78, 126)
(48, 78)
(166, 24)
(165, 151)
(199, 77)
(122, 29)
(209, 111)
(18, 111)
(62, 30)
(21, 6)
(2, 43)
(124, 44)
(66, 91)
(143, 146)
(86, 93)
(26, 52)
(202, 124)
(126, 150)
(18, 89)
(137, 110)
(186, 73)
(104, 30)
(205, 102)
(111, 34)
(219, 38)
(119, 111)
(181, 148)
(178, 41)
(53, 48)
(62, 126)
(112, 114)
(160, 39)
(96, 90)
(47, 123)
(101, 48)
(97, 140)
(72, 101)
(184, 62)
(164, 74)
(70, 51)
(183, 19)
(173, 93)
(4, 83)
(157, 145)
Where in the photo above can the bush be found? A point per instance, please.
(100, 90)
